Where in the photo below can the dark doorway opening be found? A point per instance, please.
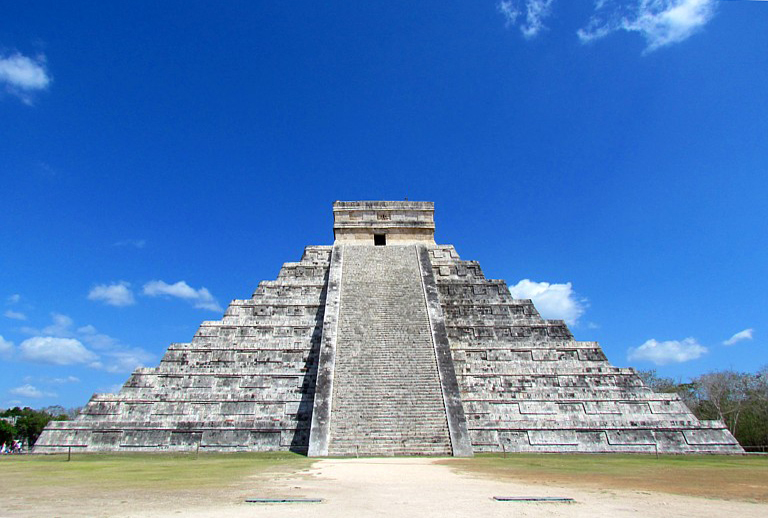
(379, 239)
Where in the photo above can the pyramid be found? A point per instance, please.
(386, 343)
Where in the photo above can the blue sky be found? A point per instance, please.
(606, 158)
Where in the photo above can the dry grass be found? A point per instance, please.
(710, 476)
(115, 483)
(161, 485)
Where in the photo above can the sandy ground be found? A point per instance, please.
(385, 487)
(420, 487)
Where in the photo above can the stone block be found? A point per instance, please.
(709, 437)
(262, 378)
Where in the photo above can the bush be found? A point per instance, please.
(739, 399)
(29, 424)
(7, 432)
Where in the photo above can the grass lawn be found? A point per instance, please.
(713, 476)
(48, 485)
(144, 471)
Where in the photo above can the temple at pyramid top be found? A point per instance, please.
(396, 348)
(384, 222)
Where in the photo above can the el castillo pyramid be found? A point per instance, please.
(386, 343)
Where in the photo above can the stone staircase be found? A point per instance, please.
(387, 398)
(359, 350)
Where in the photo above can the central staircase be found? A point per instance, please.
(387, 397)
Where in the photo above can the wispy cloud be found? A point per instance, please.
(200, 298)
(740, 336)
(61, 326)
(528, 15)
(660, 22)
(115, 294)
(557, 301)
(115, 357)
(22, 75)
(13, 300)
(30, 391)
(670, 351)
(125, 359)
(55, 351)
(90, 335)
(6, 346)
(54, 381)
(60, 343)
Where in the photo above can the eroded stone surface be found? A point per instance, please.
(387, 318)
(245, 382)
(528, 386)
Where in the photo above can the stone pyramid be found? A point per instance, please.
(386, 343)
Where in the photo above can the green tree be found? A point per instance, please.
(29, 422)
(7, 432)
(739, 399)
(655, 382)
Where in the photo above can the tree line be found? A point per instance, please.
(26, 424)
(739, 399)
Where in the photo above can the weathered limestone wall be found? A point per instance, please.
(528, 386)
(245, 382)
(421, 354)
(320, 429)
(402, 222)
(395, 236)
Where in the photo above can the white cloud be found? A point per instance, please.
(67, 379)
(740, 336)
(510, 9)
(114, 356)
(56, 351)
(126, 360)
(671, 351)
(60, 344)
(6, 346)
(61, 326)
(14, 299)
(116, 294)
(557, 301)
(30, 391)
(201, 298)
(535, 13)
(23, 75)
(16, 315)
(660, 22)
(92, 337)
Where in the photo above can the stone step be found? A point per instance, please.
(386, 387)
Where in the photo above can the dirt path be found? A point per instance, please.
(420, 487)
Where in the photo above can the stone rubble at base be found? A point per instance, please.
(401, 349)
